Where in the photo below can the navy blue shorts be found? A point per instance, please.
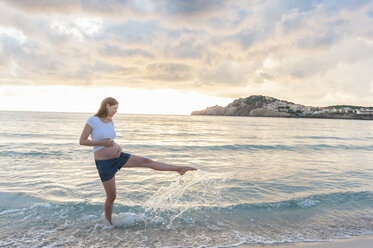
(108, 167)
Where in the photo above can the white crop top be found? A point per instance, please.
(101, 130)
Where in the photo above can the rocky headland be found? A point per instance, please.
(265, 106)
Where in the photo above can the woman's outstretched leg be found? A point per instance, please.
(110, 190)
(137, 161)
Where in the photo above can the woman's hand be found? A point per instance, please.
(118, 151)
(107, 142)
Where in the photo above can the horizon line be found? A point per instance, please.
(79, 112)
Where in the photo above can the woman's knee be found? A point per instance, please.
(146, 160)
(111, 197)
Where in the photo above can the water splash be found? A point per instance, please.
(190, 192)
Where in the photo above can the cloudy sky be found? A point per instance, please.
(169, 56)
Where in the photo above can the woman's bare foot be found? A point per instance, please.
(108, 222)
(184, 169)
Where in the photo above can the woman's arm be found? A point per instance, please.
(84, 141)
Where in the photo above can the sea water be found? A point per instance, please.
(260, 181)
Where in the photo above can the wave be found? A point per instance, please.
(15, 154)
(241, 147)
(50, 153)
(337, 200)
(233, 147)
(321, 137)
(70, 150)
(321, 202)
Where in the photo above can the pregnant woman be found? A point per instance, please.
(108, 155)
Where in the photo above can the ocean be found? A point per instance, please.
(260, 181)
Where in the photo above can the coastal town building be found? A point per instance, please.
(279, 106)
(364, 111)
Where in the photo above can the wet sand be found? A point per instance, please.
(358, 242)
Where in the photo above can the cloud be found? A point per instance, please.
(188, 8)
(370, 13)
(317, 41)
(114, 50)
(342, 5)
(131, 31)
(99, 67)
(226, 73)
(44, 6)
(92, 7)
(222, 48)
(168, 72)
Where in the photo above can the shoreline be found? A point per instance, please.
(355, 242)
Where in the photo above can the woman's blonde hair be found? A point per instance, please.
(102, 111)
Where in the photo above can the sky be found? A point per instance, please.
(173, 57)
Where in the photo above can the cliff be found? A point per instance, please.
(250, 106)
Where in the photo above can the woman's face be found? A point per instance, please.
(112, 110)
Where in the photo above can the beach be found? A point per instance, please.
(361, 242)
(261, 182)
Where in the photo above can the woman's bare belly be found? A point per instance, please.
(106, 152)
